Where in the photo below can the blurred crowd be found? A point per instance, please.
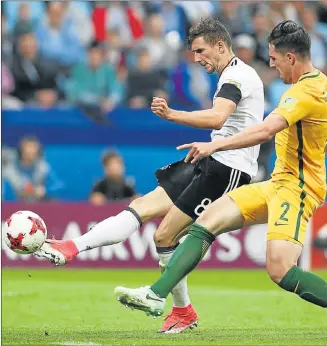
(103, 54)
(27, 176)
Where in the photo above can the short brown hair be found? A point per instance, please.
(212, 31)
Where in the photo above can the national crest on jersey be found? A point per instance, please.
(249, 112)
(289, 103)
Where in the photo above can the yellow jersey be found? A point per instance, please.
(300, 148)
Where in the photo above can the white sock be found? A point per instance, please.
(180, 295)
(110, 231)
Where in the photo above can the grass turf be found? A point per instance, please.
(77, 307)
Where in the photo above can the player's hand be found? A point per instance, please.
(197, 150)
(160, 107)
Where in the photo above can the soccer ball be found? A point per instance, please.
(24, 232)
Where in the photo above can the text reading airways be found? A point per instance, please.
(227, 248)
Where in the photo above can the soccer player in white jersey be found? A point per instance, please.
(184, 190)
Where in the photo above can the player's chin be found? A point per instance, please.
(210, 70)
(285, 80)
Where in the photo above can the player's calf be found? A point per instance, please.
(166, 239)
(171, 228)
(306, 285)
(282, 257)
(163, 238)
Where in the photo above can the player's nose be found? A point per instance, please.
(197, 57)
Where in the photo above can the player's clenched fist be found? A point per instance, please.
(160, 107)
(197, 150)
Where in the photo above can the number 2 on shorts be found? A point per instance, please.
(285, 205)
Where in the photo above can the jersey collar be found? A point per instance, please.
(229, 62)
(313, 74)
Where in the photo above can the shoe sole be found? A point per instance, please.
(180, 330)
(134, 303)
(49, 253)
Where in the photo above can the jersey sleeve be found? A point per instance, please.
(230, 92)
(294, 105)
(234, 77)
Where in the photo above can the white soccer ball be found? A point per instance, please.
(24, 232)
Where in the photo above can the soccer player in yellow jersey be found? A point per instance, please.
(286, 201)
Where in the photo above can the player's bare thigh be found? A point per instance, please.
(154, 204)
(225, 214)
(221, 216)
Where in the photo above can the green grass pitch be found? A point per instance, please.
(60, 306)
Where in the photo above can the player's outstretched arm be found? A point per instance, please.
(249, 137)
(213, 118)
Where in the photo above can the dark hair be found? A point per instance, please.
(290, 37)
(109, 155)
(211, 30)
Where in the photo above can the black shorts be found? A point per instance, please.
(193, 187)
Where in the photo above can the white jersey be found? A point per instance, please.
(249, 112)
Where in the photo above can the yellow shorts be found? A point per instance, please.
(284, 205)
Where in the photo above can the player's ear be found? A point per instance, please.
(291, 58)
(221, 47)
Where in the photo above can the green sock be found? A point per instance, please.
(185, 258)
(306, 285)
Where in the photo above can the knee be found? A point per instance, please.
(275, 273)
(277, 268)
(140, 206)
(158, 237)
(148, 209)
(281, 257)
(136, 203)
